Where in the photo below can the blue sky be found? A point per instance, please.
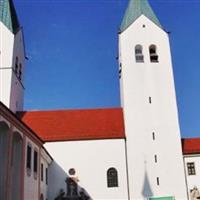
(72, 47)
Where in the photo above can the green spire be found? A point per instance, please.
(8, 15)
(135, 9)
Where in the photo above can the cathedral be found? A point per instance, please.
(133, 152)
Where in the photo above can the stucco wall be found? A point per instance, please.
(139, 82)
(31, 182)
(193, 180)
(6, 55)
(11, 88)
(17, 85)
(45, 160)
(91, 160)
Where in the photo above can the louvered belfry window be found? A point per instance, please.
(139, 58)
(153, 53)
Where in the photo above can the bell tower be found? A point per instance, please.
(12, 57)
(148, 98)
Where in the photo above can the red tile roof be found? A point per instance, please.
(66, 125)
(191, 145)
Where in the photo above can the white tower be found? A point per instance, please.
(155, 163)
(12, 57)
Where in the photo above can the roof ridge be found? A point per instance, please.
(77, 109)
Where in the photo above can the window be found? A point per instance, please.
(153, 54)
(153, 136)
(191, 168)
(150, 100)
(42, 172)
(139, 58)
(158, 181)
(120, 70)
(28, 159)
(72, 171)
(35, 164)
(16, 65)
(155, 158)
(20, 71)
(112, 177)
(46, 175)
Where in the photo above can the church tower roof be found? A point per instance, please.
(8, 15)
(135, 9)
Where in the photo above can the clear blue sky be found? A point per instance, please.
(72, 47)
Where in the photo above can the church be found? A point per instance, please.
(133, 152)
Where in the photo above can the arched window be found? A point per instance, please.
(112, 177)
(138, 54)
(16, 65)
(153, 53)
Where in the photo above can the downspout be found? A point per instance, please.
(127, 172)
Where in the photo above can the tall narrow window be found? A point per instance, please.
(153, 136)
(35, 164)
(112, 177)
(191, 168)
(139, 58)
(153, 54)
(28, 159)
(16, 65)
(46, 175)
(120, 70)
(20, 71)
(150, 100)
(158, 181)
(155, 158)
(42, 172)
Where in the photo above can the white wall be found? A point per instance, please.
(11, 88)
(17, 86)
(56, 180)
(91, 160)
(193, 180)
(31, 184)
(46, 161)
(6, 55)
(139, 82)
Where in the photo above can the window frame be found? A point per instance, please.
(191, 168)
(42, 172)
(112, 177)
(153, 56)
(28, 159)
(35, 163)
(20, 72)
(139, 57)
(46, 176)
(16, 65)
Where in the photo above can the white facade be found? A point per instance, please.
(91, 160)
(45, 162)
(11, 78)
(193, 179)
(31, 179)
(21, 180)
(155, 163)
